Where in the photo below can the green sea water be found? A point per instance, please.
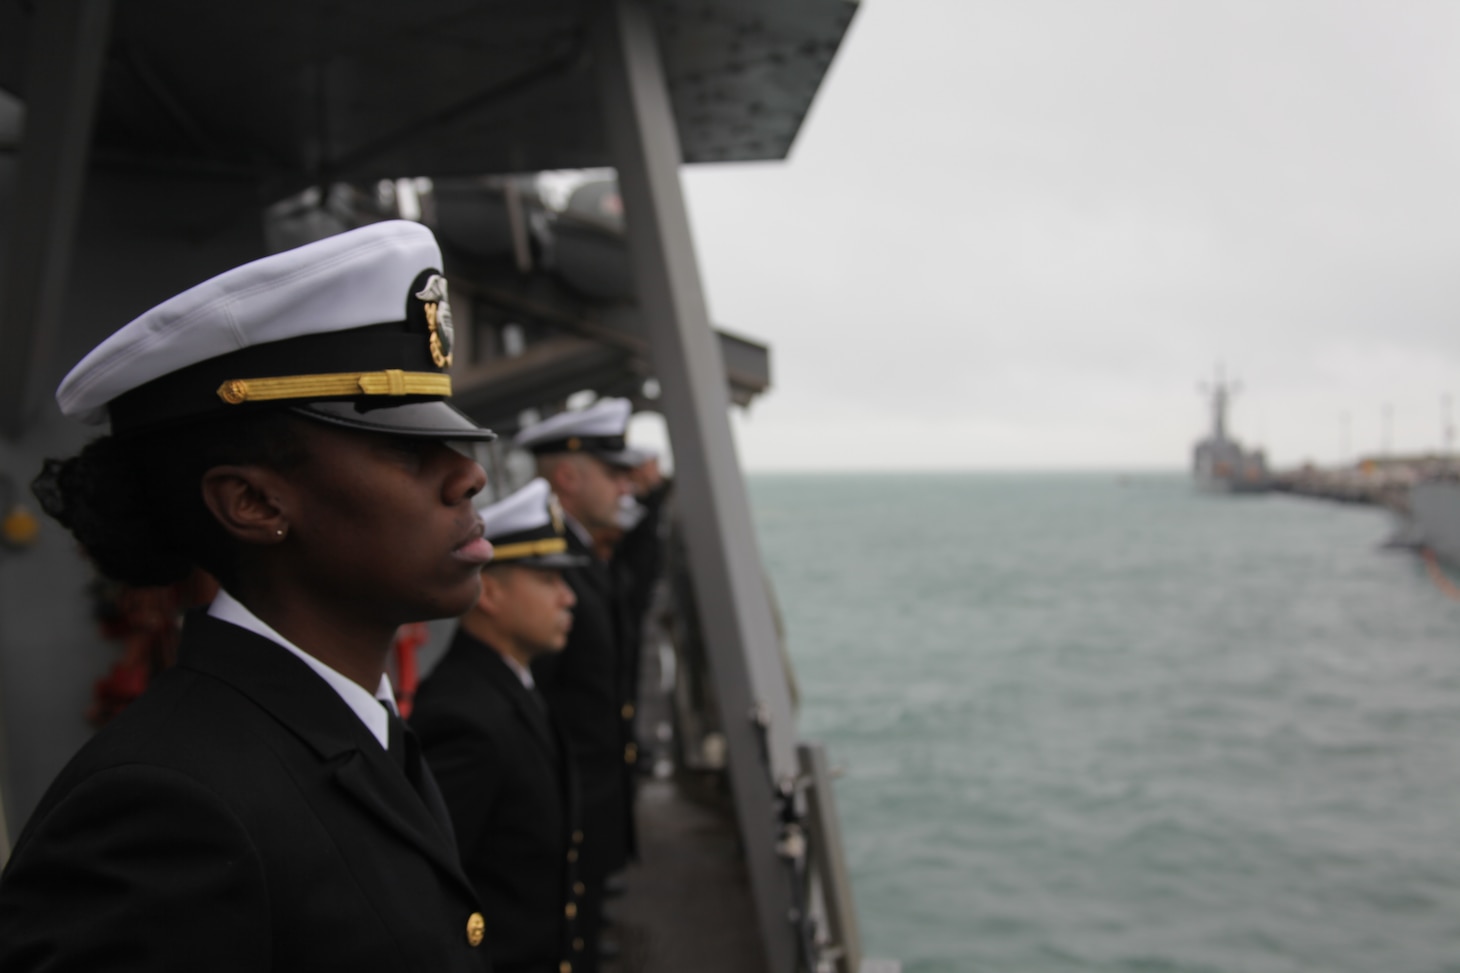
(1101, 723)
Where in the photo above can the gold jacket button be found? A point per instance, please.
(578, 944)
(628, 711)
(572, 854)
(476, 928)
(631, 753)
(579, 888)
(565, 967)
(570, 910)
(577, 837)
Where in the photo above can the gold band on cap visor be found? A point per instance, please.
(548, 545)
(392, 381)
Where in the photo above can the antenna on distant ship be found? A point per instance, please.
(1220, 462)
(1221, 392)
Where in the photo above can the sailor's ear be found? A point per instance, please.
(563, 475)
(494, 592)
(248, 501)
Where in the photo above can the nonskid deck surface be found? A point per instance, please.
(687, 905)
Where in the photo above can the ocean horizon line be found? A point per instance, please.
(968, 471)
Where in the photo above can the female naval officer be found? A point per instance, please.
(283, 426)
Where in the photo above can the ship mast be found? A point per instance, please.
(1221, 392)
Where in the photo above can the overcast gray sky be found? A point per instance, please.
(1015, 235)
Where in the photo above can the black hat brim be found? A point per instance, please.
(423, 420)
(627, 458)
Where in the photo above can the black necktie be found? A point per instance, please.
(405, 749)
(538, 701)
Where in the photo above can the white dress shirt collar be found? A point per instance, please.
(578, 529)
(523, 674)
(226, 608)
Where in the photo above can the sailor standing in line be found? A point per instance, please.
(503, 767)
(261, 806)
(638, 551)
(633, 551)
(585, 459)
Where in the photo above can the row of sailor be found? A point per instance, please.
(285, 427)
(540, 679)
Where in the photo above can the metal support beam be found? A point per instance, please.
(65, 52)
(828, 862)
(723, 555)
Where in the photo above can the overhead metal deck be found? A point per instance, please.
(300, 92)
(276, 96)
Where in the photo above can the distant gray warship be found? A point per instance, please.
(1218, 462)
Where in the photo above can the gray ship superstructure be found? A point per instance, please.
(1434, 512)
(1434, 500)
(131, 167)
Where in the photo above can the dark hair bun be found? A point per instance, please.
(101, 496)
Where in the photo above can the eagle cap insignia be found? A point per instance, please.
(438, 319)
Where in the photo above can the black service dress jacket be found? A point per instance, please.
(640, 553)
(637, 562)
(588, 690)
(512, 793)
(237, 817)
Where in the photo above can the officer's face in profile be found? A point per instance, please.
(534, 606)
(602, 485)
(381, 526)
